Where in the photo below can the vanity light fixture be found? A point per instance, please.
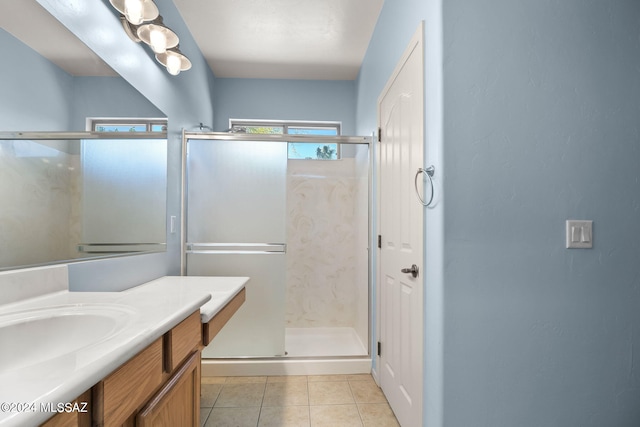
(136, 11)
(157, 35)
(129, 29)
(151, 30)
(174, 60)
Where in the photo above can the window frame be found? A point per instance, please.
(287, 124)
(94, 122)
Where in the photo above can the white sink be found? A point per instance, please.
(30, 337)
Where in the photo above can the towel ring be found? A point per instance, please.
(429, 171)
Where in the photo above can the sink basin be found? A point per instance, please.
(33, 336)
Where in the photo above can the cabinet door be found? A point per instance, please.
(177, 404)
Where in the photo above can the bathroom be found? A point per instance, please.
(531, 112)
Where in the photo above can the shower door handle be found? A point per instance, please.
(413, 270)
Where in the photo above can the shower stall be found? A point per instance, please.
(299, 228)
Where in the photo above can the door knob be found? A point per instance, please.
(413, 270)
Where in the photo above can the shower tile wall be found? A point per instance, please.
(40, 193)
(327, 219)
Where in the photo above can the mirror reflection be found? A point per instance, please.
(74, 199)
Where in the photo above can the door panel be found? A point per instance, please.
(258, 327)
(400, 115)
(236, 213)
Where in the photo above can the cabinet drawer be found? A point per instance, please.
(119, 395)
(177, 404)
(180, 341)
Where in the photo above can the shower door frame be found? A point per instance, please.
(283, 138)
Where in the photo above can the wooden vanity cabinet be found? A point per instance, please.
(160, 386)
(178, 402)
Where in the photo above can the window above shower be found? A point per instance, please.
(128, 125)
(296, 150)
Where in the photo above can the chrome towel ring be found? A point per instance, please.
(429, 171)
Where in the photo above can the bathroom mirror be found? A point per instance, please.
(65, 193)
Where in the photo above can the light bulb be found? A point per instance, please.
(173, 64)
(158, 41)
(133, 11)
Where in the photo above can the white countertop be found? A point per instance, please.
(221, 289)
(151, 310)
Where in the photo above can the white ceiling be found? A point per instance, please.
(49, 38)
(284, 39)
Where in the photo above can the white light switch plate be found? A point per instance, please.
(579, 234)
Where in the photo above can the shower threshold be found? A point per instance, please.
(310, 351)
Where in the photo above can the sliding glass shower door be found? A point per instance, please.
(236, 201)
(298, 226)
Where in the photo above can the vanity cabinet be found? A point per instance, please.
(160, 386)
(149, 388)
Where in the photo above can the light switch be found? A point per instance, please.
(579, 234)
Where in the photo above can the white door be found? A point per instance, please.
(400, 118)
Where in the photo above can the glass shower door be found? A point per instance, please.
(236, 205)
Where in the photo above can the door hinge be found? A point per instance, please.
(379, 134)
(379, 241)
(379, 348)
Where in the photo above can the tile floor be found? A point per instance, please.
(288, 401)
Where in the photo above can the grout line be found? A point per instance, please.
(356, 403)
(264, 392)
(309, 400)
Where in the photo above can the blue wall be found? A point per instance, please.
(531, 119)
(269, 99)
(35, 95)
(542, 107)
(108, 97)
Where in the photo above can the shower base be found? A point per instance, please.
(310, 351)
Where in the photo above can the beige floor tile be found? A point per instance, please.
(287, 379)
(330, 393)
(204, 414)
(245, 380)
(213, 380)
(208, 394)
(335, 416)
(286, 394)
(233, 417)
(289, 416)
(240, 395)
(377, 415)
(366, 392)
